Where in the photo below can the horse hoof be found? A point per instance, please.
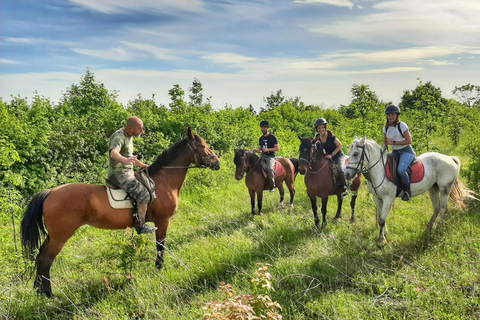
(352, 219)
(381, 242)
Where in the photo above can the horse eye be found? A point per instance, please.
(355, 154)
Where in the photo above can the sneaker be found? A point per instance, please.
(406, 196)
(145, 229)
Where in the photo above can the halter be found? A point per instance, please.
(204, 164)
(312, 159)
(359, 169)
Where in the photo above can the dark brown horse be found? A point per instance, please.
(64, 209)
(247, 162)
(319, 181)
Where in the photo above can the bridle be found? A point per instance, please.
(196, 155)
(245, 165)
(313, 158)
(360, 168)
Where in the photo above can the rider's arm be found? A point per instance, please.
(274, 149)
(115, 155)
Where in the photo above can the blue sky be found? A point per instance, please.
(241, 51)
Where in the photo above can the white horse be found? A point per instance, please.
(441, 181)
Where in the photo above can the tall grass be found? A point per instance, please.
(339, 273)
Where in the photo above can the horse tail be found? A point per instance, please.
(296, 163)
(460, 192)
(32, 227)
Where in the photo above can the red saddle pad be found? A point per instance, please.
(278, 168)
(418, 171)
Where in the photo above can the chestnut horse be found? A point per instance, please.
(320, 182)
(64, 209)
(247, 162)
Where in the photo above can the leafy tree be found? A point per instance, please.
(196, 93)
(425, 106)
(274, 100)
(469, 95)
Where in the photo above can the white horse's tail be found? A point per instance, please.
(460, 192)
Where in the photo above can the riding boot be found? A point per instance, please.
(140, 225)
(407, 194)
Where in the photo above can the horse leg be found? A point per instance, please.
(444, 195)
(324, 212)
(160, 236)
(353, 202)
(338, 215)
(259, 201)
(281, 190)
(435, 198)
(378, 207)
(313, 200)
(47, 253)
(252, 200)
(291, 188)
(387, 205)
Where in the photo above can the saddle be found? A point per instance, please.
(278, 169)
(415, 171)
(119, 199)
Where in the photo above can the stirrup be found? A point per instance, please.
(144, 229)
(406, 196)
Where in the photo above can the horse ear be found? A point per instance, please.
(300, 138)
(235, 150)
(190, 134)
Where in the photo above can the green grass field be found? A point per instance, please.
(339, 273)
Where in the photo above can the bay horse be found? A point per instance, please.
(64, 209)
(320, 183)
(248, 163)
(440, 179)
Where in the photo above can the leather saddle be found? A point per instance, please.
(119, 199)
(415, 171)
(278, 169)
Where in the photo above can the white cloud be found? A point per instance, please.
(228, 58)
(114, 54)
(427, 22)
(338, 3)
(8, 61)
(121, 6)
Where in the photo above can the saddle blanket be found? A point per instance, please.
(119, 199)
(417, 171)
(278, 169)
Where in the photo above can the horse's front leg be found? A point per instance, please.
(338, 215)
(260, 201)
(313, 200)
(324, 212)
(387, 205)
(251, 192)
(160, 235)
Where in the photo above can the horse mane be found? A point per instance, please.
(167, 156)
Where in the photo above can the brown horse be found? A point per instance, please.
(319, 181)
(247, 162)
(66, 208)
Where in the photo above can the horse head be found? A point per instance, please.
(202, 155)
(304, 154)
(364, 154)
(240, 161)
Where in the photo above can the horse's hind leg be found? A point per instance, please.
(353, 202)
(291, 188)
(281, 190)
(48, 251)
(435, 198)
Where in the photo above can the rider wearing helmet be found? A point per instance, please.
(268, 146)
(397, 135)
(332, 148)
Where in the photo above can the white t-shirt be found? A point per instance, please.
(394, 134)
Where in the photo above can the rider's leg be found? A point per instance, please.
(406, 159)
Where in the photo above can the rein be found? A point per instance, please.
(195, 154)
(366, 172)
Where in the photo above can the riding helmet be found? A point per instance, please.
(392, 109)
(265, 123)
(320, 121)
